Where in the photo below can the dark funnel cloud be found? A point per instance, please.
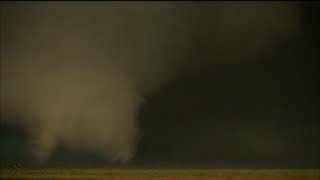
(151, 81)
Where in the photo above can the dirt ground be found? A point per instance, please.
(149, 174)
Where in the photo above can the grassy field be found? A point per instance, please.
(158, 174)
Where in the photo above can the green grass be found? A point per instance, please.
(157, 174)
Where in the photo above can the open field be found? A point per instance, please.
(158, 174)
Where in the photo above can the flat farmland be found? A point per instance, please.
(162, 174)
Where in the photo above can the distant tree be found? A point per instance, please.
(17, 166)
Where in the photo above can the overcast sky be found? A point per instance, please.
(256, 105)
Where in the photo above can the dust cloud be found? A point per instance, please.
(75, 73)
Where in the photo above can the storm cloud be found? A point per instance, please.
(75, 74)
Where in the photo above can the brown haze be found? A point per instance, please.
(74, 74)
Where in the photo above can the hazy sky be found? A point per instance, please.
(161, 84)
